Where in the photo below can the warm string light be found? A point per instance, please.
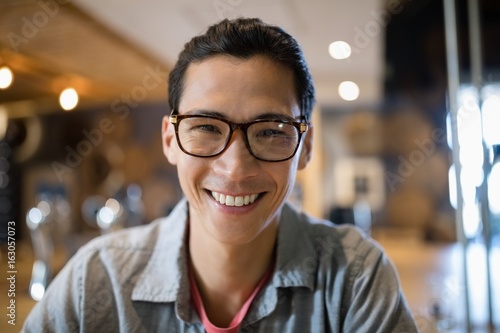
(6, 77)
(349, 91)
(339, 50)
(68, 99)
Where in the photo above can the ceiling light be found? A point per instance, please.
(6, 77)
(349, 91)
(68, 99)
(339, 50)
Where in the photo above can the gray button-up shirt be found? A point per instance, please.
(326, 279)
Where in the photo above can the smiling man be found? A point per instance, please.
(233, 255)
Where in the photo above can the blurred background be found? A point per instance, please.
(407, 134)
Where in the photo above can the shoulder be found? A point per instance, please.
(139, 238)
(129, 250)
(331, 251)
(343, 240)
(122, 255)
(142, 238)
(111, 258)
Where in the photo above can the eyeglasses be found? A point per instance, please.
(270, 140)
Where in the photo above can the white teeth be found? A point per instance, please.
(237, 201)
(229, 200)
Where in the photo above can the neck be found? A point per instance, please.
(226, 274)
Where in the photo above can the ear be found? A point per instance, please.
(306, 150)
(169, 141)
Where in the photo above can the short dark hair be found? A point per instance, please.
(244, 38)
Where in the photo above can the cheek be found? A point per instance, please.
(292, 175)
(285, 176)
(190, 168)
(187, 174)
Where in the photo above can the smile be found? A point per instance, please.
(237, 201)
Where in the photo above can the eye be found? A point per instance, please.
(270, 132)
(207, 128)
(204, 126)
(275, 129)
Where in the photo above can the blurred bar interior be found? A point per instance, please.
(407, 134)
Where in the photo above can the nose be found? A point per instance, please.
(236, 162)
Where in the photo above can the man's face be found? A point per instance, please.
(239, 90)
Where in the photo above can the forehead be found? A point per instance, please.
(228, 61)
(225, 84)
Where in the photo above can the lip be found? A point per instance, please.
(234, 210)
(234, 200)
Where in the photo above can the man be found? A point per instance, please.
(232, 256)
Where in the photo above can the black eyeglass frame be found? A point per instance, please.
(302, 127)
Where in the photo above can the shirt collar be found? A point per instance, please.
(165, 277)
(166, 273)
(296, 262)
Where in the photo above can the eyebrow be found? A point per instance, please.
(198, 112)
(275, 116)
(266, 115)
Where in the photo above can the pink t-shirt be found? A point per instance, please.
(235, 324)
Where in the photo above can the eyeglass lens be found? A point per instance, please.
(269, 140)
